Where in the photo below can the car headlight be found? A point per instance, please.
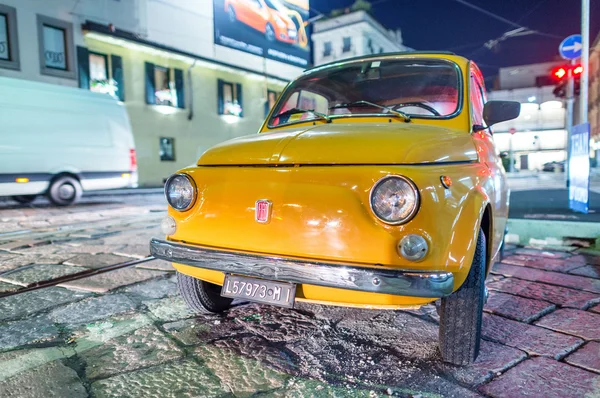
(394, 200)
(180, 191)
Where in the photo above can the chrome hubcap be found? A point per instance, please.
(66, 191)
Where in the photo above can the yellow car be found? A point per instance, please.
(373, 183)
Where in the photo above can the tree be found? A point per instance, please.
(359, 5)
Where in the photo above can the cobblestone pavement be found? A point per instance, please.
(128, 333)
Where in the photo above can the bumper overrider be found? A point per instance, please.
(338, 275)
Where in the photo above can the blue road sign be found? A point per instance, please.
(579, 168)
(570, 48)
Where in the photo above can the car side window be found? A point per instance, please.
(477, 102)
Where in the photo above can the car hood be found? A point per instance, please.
(350, 143)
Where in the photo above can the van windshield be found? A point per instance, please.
(421, 88)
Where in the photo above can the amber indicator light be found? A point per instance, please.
(446, 181)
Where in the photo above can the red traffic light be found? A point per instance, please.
(559, 73)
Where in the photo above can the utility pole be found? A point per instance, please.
(570, 94)
(585, 60)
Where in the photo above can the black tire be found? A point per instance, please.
(461, 313)
(64, 191)
(202, 297)
(270, 32)
(24, 199)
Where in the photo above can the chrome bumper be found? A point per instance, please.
(343, 276)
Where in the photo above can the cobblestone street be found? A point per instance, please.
(128, 333)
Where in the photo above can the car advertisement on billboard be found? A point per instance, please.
(275, 29)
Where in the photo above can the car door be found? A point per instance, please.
(496, 182)
(255, 15)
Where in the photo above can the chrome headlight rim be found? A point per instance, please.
(194, 190)
(414, 189)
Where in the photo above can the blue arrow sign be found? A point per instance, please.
(570, 48)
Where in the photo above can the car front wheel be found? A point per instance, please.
(202, 297)
(270, 32)
(231, 13)
(461, 313)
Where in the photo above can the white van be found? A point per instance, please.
(59, 141)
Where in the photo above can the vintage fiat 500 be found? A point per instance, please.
(373, 183)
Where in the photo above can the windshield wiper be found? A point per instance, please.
(367, 103)
(299, 110)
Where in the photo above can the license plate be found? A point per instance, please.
(261, 291)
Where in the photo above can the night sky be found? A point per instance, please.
(449, 25)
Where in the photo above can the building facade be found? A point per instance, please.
(350, 35)
(183, 92)
(539, 134)
(594, 99)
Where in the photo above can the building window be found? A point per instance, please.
(370, 46)
(271, 100)
(230, 99)
(56, 47)
(101, 73)
(328, 49)
(164, 86)
(9, 46)
(347, 44)
(167, 149)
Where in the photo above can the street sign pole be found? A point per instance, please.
(585, 62)
(570, 94)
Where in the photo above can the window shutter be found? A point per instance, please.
(220, 101)
(238, 88)
(117, 75)
(83, 62)
(179, 88)
(150, 96)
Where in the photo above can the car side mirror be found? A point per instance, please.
(500, 111)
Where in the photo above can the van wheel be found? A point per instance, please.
(24, 199)
(202, 297)
(461, 313)
(64, 191)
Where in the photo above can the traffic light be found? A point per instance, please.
(560, 76)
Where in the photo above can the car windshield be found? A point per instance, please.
(275, 5)
(421, 88)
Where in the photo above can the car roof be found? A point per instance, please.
(379, 56)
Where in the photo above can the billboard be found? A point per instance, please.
(579, 168)
(275, 29)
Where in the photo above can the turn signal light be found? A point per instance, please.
(446, 181)
(22, 179)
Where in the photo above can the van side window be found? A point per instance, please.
(56, 49)
(9, 43)
(164, 86)
(101, 73)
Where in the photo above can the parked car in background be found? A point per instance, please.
(554, 166)
(267, 16)
(60, 141)
(374, 183)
